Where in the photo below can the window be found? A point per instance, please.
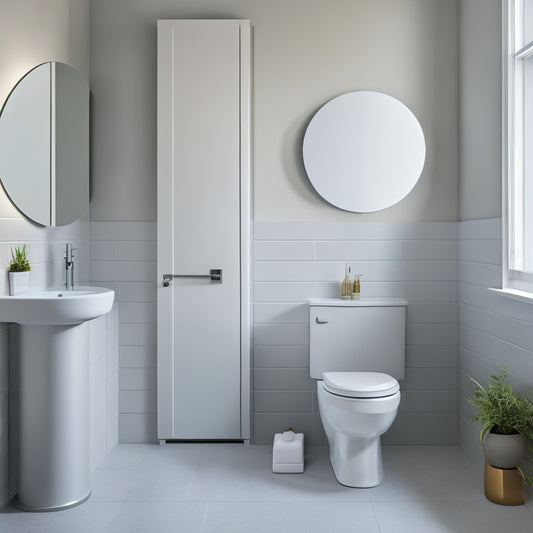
(518, 144)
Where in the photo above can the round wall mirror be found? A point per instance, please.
(44, 145)
(364, 151)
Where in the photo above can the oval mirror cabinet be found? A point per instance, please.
(44, 145)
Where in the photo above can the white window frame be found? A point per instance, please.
(515, 279)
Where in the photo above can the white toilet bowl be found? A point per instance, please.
(356, 408)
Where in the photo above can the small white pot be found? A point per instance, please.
(19, 283)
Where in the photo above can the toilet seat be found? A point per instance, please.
(360, 384)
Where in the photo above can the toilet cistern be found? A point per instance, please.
(69, 266)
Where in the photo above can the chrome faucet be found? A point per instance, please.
(69, 267)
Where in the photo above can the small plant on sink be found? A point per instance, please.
(19, 260)
(19, 271)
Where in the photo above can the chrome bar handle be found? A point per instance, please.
(215, 275)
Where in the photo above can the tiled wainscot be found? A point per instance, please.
(123, 258)
(495, 330)
(294, 261)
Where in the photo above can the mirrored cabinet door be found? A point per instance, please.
(44, 145)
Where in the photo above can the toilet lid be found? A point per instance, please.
(360, 384)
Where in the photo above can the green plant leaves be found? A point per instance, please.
(501, 410)
(19, 260)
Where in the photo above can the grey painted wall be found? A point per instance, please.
(480, 162)
(304, 53)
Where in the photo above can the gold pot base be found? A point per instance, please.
(503, 486)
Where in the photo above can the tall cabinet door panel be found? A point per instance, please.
(199, 229)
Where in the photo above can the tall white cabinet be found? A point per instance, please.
(203, 237)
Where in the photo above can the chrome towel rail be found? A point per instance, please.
(215, 275)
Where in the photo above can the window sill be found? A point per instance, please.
(515, 294)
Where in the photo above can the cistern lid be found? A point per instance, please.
(360, 384)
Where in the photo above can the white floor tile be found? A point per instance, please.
(403, 482)
(415, 517)
(439, 456)
(160, 483)
(236, 455)
(221, 483)
(89, 517)
(459, 483)
(219, 488)
(487, 517)
(126, 455)
(111, 484)
(402, 455)
(453, 473)
(172, 455)
(317, 483)
(158, 517)
(290, 517)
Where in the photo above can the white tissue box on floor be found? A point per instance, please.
(288, 453)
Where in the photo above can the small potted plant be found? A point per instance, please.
(507, 425)
(19, 271)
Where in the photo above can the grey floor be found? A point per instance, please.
(229, 488)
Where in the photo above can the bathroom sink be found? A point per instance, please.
(53, 373)
(56, 306)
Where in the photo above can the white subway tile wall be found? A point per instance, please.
(103, 386)
(123, 258)
(495, 331)
(443, 269)
(297, 260)
(112, 379)
(292, 262)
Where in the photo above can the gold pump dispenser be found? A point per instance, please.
(356, 287)
(347, 284)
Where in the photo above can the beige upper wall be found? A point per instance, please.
(33, 32)
(480, 162)
(305, 52)
(36, 31)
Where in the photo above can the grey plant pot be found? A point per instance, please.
(504, 451)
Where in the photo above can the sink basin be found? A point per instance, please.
(56, 306)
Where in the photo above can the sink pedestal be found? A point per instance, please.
(53, 417)
(54, 392)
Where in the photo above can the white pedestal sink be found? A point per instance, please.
(54, 393)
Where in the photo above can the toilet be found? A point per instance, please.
(357, 354)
